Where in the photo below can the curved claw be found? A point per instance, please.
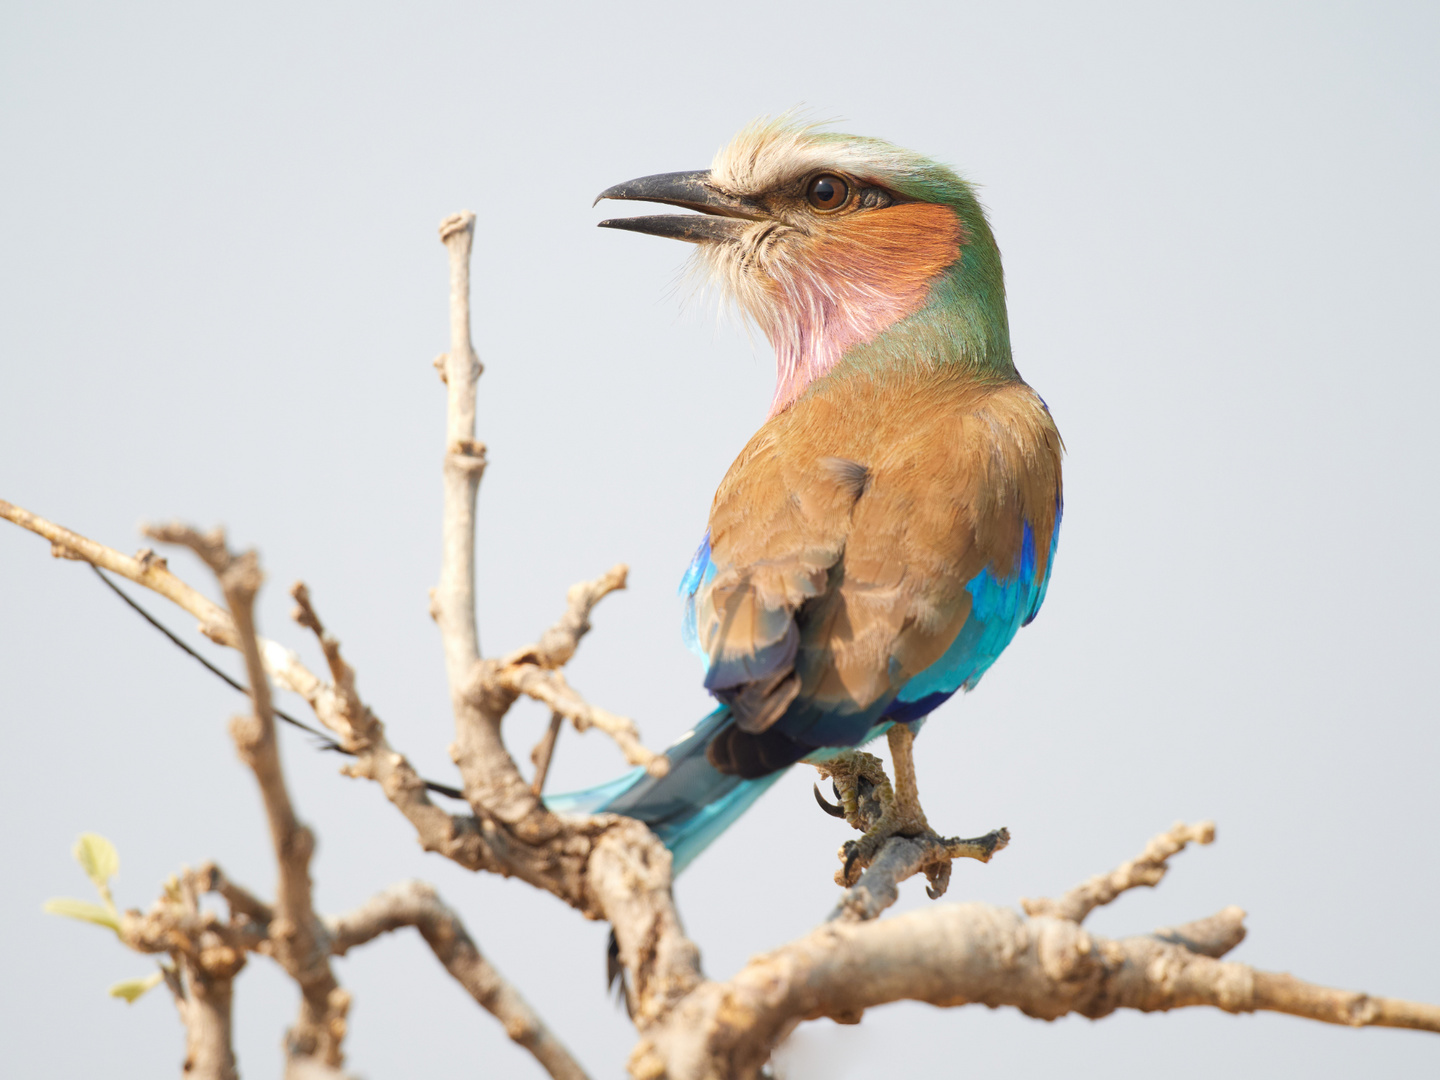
(830, 808)
(939, 877)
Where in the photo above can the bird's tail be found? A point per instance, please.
(686, 808)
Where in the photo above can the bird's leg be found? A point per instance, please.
(901, 815)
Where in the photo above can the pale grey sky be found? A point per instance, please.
(222, 289)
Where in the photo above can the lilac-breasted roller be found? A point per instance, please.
(883, 536)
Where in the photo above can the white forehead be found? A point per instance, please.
(770, 152)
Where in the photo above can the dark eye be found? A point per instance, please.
(827, 192)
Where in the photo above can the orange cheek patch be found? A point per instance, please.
(897, 251)
(848, 281)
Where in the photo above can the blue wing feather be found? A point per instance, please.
(999, 606)
(699, 574)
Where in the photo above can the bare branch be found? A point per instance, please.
(296, 936)
(205, 1003)
(591, 863)
(1214, 936)
(503, 835)
(534, 671)
(551, 688)
(972, 953)
(453, 600)
(904, 857)
(558, 644)
(952, 955)
(629, 876)
(456, 837)
(145, 569)
(151, 571)
(340, 708)
(206, 956)
(544, 751)
(175, 924)
(1279, 992)
(414, 903)
(1146, 870)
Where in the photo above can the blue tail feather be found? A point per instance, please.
(688, 807)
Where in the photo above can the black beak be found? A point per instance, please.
(726, 215)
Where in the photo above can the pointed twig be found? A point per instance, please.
(1147, 870)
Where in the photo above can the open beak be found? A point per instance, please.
(725, 215)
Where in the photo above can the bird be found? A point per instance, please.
(892, 524)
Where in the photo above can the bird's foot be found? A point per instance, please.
(940, 852)
(870, 804)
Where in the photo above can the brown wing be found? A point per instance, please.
(845, 533)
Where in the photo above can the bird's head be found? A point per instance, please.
(838, 246)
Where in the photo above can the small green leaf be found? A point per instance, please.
(85, 911)
(132, 990)
(97, 857)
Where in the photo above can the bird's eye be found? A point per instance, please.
(827, 192)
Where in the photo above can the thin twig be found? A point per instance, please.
(544, 751)
(1146, 870)
(145, 569)
(551, 688)
(326, 743)
(241, 900)
(535, 671)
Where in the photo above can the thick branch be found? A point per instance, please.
(414, 903)
(972, 953)
(629, 877)
(1146, 870)
(1046, 966)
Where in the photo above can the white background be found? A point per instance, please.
(222, 289)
